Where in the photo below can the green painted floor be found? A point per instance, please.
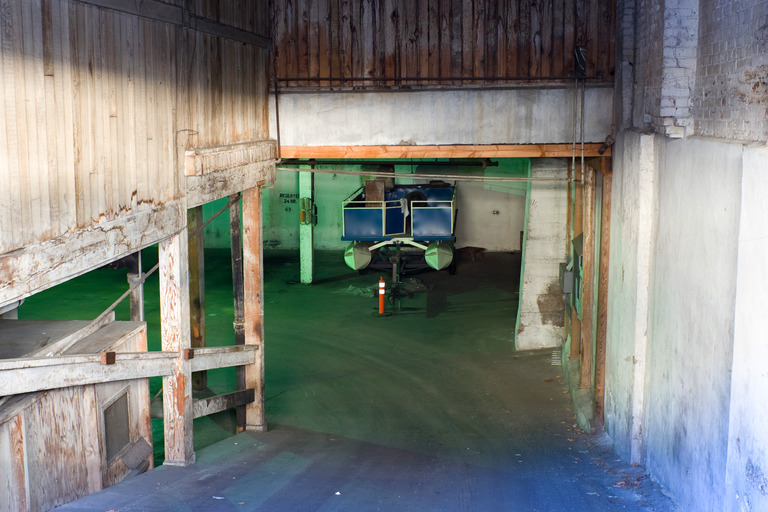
(427, 409)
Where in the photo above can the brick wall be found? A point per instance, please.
(700, 67)
(731, 99)
(666, 36)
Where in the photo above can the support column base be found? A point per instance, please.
(181, 464)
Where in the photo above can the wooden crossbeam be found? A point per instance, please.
(214, 404)
(27, 375)
(444, 151)
(210, 358)
(214, 172)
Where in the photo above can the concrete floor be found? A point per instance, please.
(430, 408)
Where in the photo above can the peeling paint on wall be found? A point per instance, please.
(551, 305)
(752, 87)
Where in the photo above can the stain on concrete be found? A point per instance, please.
(551, 305)
(756, 477)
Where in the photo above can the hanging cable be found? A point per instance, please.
(583, 96)
(457, 177)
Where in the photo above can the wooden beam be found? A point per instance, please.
(37, 267)
(92, 449)
(254, 305)
(27, 375)
(214, 404)
(588, 280)
(438, 151)
(602, 296)
(214, 172)
(211, 358)
(210, 159)
(222, 183)
(236, 250)
(197, 288)
(176, 337)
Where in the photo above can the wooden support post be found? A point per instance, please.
(197, 289)
(588, 280)
(254, 306)
(578, 228)
(137, 295)
(176, 337)
(602, 294)
(92, 451)
(306, 226)
(236, 247)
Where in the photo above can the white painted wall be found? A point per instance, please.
(693, 284)
(747, 468)
(471, 116)
(540, 321)
(686, 358)
(489, 217)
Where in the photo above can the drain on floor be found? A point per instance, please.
(556, 360)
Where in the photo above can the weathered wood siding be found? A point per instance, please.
(100, 100)
(99, 105)
(394, 43)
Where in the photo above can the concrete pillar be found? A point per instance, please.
(632, 224)
(541, 312)
(306, 226)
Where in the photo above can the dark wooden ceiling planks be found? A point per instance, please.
(417, 43)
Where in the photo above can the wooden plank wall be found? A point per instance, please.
(100, 103)
(399, 43)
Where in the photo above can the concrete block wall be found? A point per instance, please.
(731, 99)
(700, 67)
(541, 313)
